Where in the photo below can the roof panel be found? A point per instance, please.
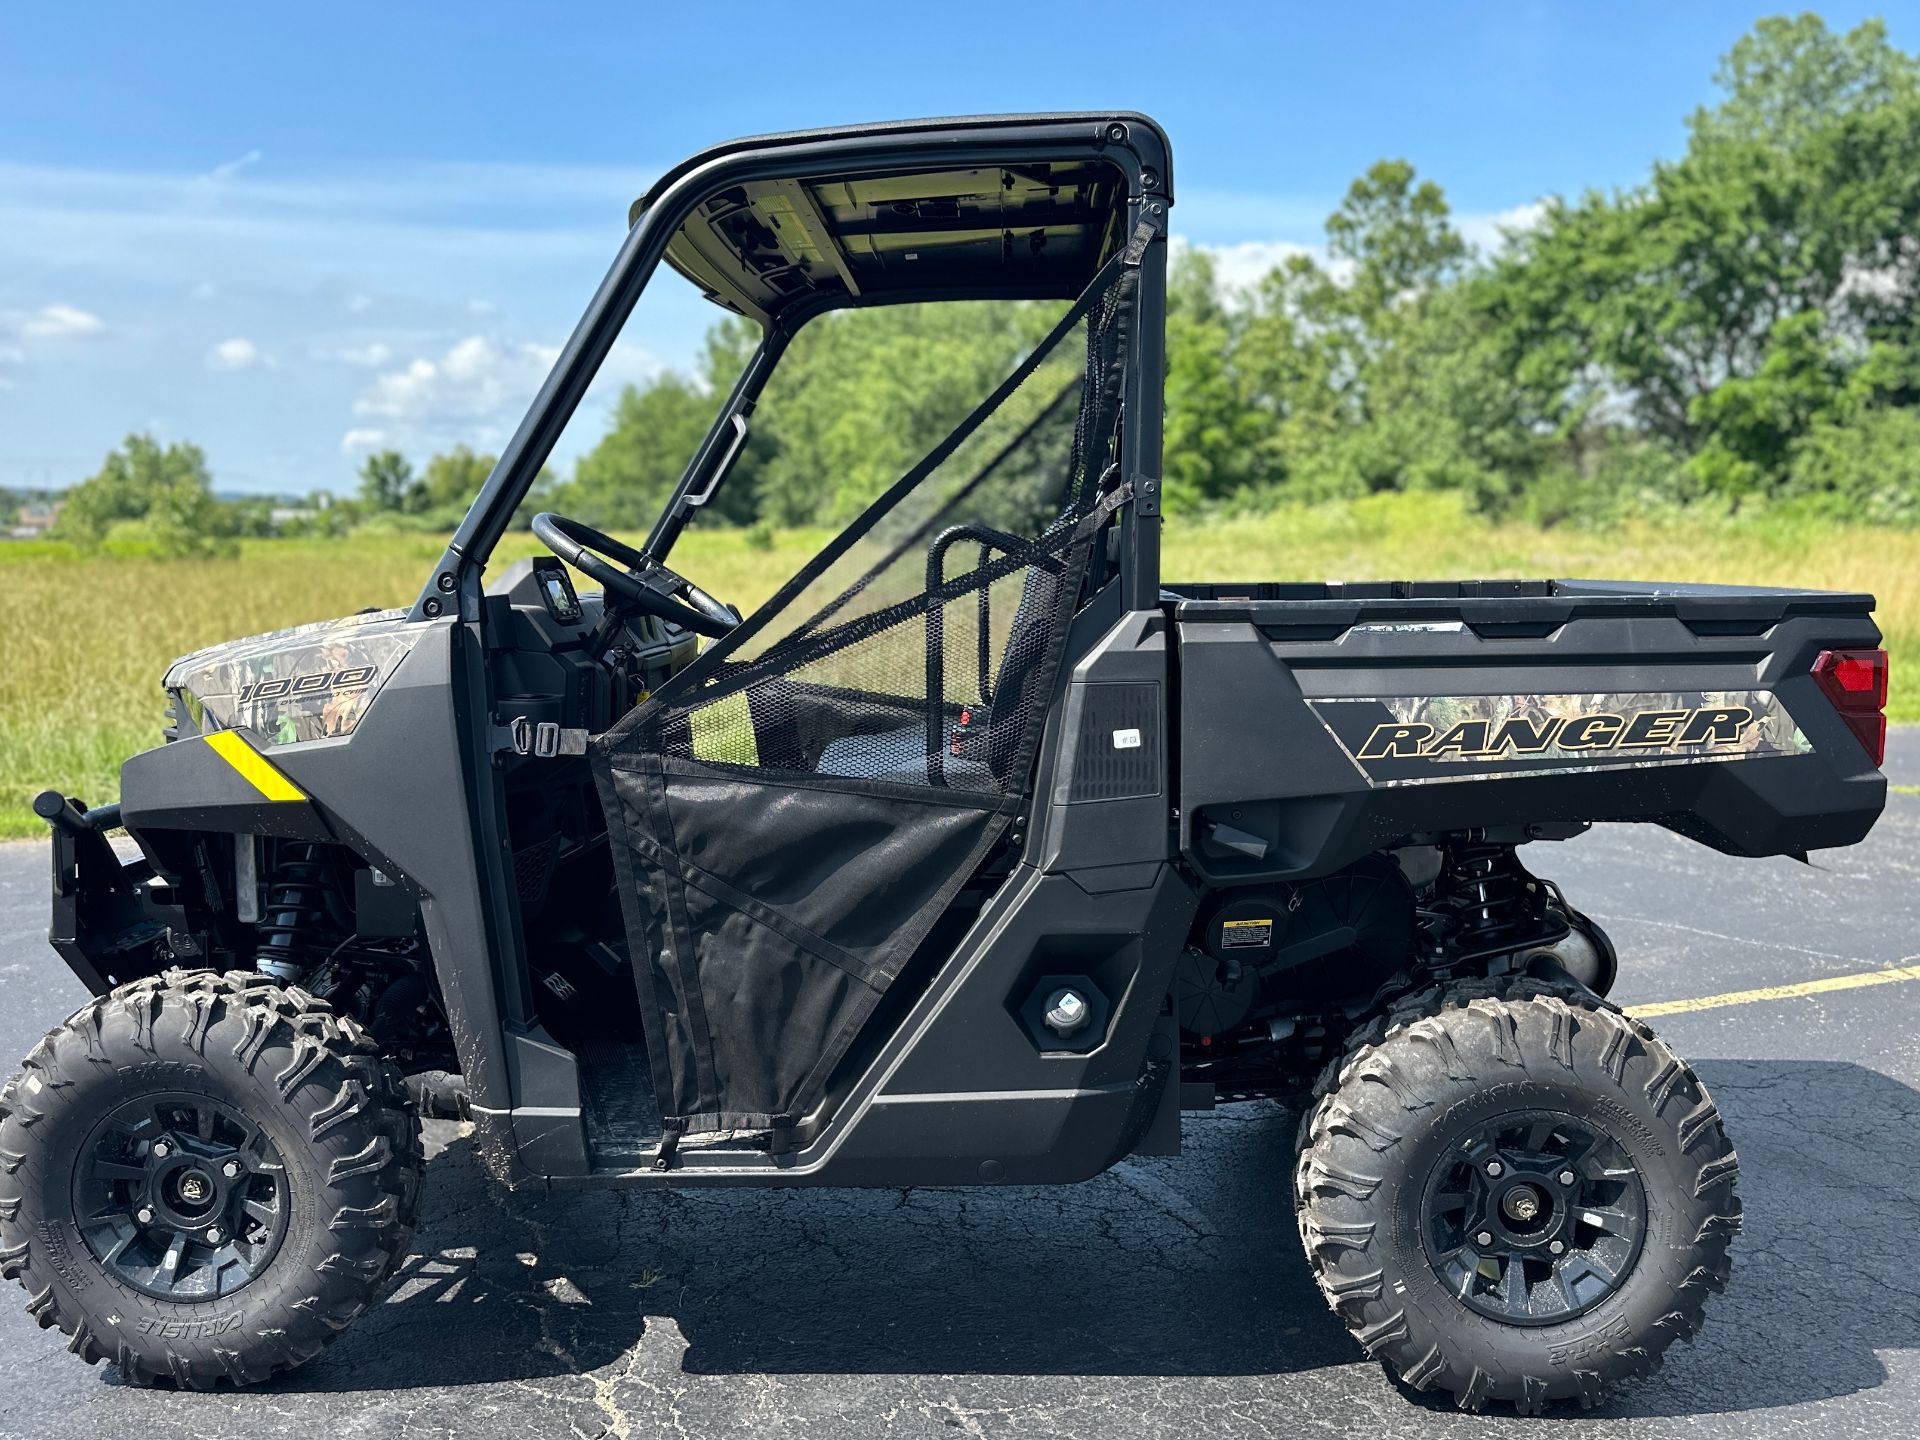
(1041, 228)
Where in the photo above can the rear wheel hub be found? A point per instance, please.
(1523, 1204)
(1534, 1218)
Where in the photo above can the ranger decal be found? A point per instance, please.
(1406, 740)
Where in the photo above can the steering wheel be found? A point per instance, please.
(645, 583)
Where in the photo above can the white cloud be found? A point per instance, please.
(61, 322)
(368, 356)
(1880, 282)
(292, 243)
(627, 363)
(355, 440)
(238, 353)
(358, 304)
(10, 356)
(1242, 266)
(471, 392)
(232, 168)
(1489, 232)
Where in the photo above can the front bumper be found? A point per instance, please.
(105, 922)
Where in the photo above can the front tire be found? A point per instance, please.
(205, 1177)
(1510, 1191)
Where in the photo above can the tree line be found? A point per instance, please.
(160, 498)
(1740, 328)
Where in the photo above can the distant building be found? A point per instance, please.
(35, 520)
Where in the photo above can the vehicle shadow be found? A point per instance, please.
(1186, 1267)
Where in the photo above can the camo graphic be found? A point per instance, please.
(307, 682)
(1402, 740)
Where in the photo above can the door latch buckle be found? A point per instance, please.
(543, 740)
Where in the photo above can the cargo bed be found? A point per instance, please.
(1321, 721)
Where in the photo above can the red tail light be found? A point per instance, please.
(1856, 682)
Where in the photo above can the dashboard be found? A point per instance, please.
(552, 664)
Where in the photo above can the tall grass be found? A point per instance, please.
(88, 636)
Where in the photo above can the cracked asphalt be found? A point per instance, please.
(1167, 1297)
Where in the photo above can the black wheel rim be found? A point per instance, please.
(181, 1197)
(1534, 1217)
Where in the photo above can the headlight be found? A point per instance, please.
(185, 714)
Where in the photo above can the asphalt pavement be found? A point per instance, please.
(1168, 1297)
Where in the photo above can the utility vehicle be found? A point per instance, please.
(976, 855)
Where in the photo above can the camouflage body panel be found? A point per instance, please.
(1427, 739)
(307, 682)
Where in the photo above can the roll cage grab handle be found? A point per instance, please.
(1130, 143)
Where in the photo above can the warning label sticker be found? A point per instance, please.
(1245, 934)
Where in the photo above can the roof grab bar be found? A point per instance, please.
(725, 463)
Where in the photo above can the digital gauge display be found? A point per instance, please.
(557, 590)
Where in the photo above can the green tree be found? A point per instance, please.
(251, 516)
(450, 481)
(861, 395)
(1726, 328)
(386, 477)
(1396, 232)
(1370, 372)
(1763, 264)
(624, 480)
(163, 492)
(1213, 433)
(1791, 77)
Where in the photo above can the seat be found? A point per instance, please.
(983, 764)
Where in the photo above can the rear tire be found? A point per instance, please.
(1432, 1242)
(205, 1178)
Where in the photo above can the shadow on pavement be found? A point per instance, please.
(1185, 1267)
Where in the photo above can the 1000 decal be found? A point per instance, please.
(319, 683)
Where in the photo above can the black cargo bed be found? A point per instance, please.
(1321, 722)
(1337, 604)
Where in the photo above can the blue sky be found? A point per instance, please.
(291, 233)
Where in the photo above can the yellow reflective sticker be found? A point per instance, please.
(723, 731)
(232, 747)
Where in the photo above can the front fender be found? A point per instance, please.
(219, 782)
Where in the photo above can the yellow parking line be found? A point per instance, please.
(1891, 976)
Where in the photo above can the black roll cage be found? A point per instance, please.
(1129, 142)
(508, 1059)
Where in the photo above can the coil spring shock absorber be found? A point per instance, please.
(296, 907)
(1491, 902)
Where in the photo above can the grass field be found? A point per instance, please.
(87, 636)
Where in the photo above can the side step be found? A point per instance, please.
(618, 1105)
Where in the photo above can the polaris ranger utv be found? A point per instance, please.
(974, 856)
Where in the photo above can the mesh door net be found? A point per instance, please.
(793, 812)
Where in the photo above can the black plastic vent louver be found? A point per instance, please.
(1116, 754)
